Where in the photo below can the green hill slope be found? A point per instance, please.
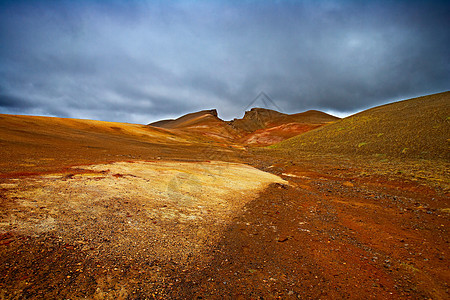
(415, 128)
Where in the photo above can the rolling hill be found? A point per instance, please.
(36, 143)
(417, 128)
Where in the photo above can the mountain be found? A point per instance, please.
(276, 134)
(192, 119)
(261, 118)
(266, 127)
(204, 124)
(259, 126)
(414, 128)
(256, 118)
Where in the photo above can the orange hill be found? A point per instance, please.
(38, 143)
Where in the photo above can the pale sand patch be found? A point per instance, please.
(165, 210)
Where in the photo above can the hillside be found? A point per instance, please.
(258, 127)
(203, 124)
(192, 119)
(256, 118)
(266, 127)
(261, 118)
(30, 143)
(312, 117)
(272, 135)
(415, 128)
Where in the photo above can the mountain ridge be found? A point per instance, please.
(258, 126)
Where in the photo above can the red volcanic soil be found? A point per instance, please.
(332, 235)
(276, 134)
(334, 230)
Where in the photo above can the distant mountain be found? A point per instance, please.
(205, 124)
(261, 118)
(266, 127)
(189, 120)
(415, 128)
(256, 118)
(259, 126)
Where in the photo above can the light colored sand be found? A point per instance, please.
(167, 210)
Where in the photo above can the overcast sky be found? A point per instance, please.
(141, 61)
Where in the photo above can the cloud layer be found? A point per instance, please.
(140, 61)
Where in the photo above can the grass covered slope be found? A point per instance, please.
(415, 128)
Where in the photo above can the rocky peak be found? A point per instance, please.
(212, 112)
(261, 114)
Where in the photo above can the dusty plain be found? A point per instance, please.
(102, 210)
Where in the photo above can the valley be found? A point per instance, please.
(270, 206)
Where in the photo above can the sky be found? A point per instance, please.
(143, 61)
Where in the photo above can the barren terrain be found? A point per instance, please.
(103, 210)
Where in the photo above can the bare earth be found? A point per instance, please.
(164, 210)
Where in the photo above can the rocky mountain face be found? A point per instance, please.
(255, 119)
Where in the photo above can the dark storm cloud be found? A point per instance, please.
(139, 61)
(13, 102)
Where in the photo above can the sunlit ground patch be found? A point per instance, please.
(166, 209)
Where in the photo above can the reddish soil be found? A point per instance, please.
(276, 134)
(330, 233)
